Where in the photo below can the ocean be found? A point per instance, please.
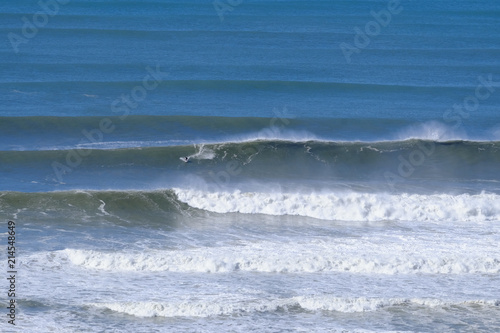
(342, 169)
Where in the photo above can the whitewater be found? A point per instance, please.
(256, 231)
(320, 195)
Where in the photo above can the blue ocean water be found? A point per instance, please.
(342, 171)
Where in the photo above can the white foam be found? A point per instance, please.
(390, 256)
(224, 306)
(101, 208)
(188, 308)
(203, 153)
(364, 304)
(350, 206)
(431, 130)
(279, 134)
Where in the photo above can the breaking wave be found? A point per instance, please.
(163, 205)
(228, 307)
(356, 256)
(350, 206)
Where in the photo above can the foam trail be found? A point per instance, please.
(203, 153)
(350, 206)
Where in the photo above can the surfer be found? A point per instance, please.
(185, 159)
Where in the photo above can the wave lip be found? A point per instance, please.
(350, 206)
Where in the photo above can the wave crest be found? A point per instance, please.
(350, 206)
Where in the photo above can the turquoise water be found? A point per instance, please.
(342, 170)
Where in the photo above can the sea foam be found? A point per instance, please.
(387, 256)
(224, 306)
(350, 206)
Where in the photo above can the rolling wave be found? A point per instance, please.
(128, 131)
(282, 159)
(409, 255)
(228, 306)
(350, 206)
(168, 205)
(86, 207)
